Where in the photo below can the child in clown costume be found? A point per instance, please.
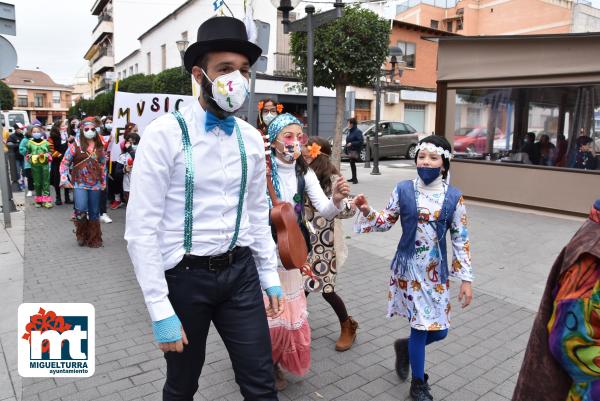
(39, 157)
(419, 286)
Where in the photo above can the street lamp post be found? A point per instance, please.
(308, 25)
(182, 46)
(378, 92)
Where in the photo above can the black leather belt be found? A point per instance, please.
(215, 263)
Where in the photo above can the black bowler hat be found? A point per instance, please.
(226, 34)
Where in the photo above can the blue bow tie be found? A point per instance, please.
(213, 121)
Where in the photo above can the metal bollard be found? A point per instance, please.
(368, 157)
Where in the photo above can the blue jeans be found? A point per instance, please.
(88, 201)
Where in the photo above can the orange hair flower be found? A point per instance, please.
(279, 108)
(314, 150)
(261, 104)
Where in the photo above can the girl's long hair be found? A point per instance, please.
(322, 165)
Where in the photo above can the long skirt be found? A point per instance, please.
(290, 332)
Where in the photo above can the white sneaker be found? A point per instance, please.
(105, 219)
(29, 193)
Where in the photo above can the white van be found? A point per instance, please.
(9, 118)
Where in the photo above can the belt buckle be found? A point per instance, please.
(220, 258)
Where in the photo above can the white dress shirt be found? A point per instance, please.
(155, 212)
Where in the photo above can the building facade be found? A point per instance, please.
(502, 17)
(100, 54)
(37, 94)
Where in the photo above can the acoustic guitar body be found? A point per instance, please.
(290, 241)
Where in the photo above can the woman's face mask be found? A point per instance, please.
(89, 132)
(268, 117)
(229, 91)
(36, 134)
(108, 126)
(291, 151)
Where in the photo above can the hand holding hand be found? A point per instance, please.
(465, 294)
(360, 201)
(341, 190)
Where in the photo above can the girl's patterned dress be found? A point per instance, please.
(419, 295)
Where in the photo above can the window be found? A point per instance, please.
(449, 26)
(56, 97)
(149, 61)
(184, 35)
(459, 24)
(362, 104)
(434, 24)
(22, 101)
(546, 126)
(136, 68)
(119, 76)
(408, 50)
(163, 60)
(39, 100)
(124, 74)
(22, 92)
(131, 70)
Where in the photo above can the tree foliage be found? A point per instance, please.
(7, 97)
(138, 83)
(347, 51)
(173, 81)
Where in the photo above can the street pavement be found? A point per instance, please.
(513, 251)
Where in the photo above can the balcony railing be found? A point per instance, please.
(284, 65)
(40, 105)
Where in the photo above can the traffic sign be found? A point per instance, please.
(317, 20)
(7, 19)
(8, 58)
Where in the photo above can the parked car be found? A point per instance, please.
(8, 119)
(474, 140)
(396, 139)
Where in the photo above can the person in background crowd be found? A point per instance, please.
(85, 163)
(267, 111)
(530, 148)
(546, 151)
(329, 250)
(39, 156)
(561, 151)
(419, 286)
(585, 158)
(58, 142)
(26, 165)
(13, 142)
(73, 129)
(126, 160)
(116, 191)
(294, 182)
(561, 360)
(354, 144)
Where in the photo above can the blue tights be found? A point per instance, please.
(416, 349)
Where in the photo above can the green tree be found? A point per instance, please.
(173, 81)
(7, 98)
(138, 83)
(347, 51)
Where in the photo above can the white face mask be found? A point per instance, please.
(268, 117)
(89, 134)
(230, 90)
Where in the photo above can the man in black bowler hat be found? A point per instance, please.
(198, 223)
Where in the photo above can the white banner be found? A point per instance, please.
(141, 109)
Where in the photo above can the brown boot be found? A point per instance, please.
(81, 230)
(280, 382)
(348, 335)
(95, 234)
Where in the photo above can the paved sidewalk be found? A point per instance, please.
(480, 359)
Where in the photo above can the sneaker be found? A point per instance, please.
(47, 205)
(105, 219)
(115, 204)
(29, 193)
(37, 204)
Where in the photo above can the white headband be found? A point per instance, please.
(430, 147)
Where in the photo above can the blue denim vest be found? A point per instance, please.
(405, 254)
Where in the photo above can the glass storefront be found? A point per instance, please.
(553, 126)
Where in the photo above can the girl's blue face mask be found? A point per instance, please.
(429, 174)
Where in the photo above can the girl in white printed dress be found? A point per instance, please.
(419, 286)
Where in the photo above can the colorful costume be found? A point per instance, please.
(563, 351)
(419, 286)
(38, 155)
(87, 170)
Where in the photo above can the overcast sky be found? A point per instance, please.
(55, 34)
